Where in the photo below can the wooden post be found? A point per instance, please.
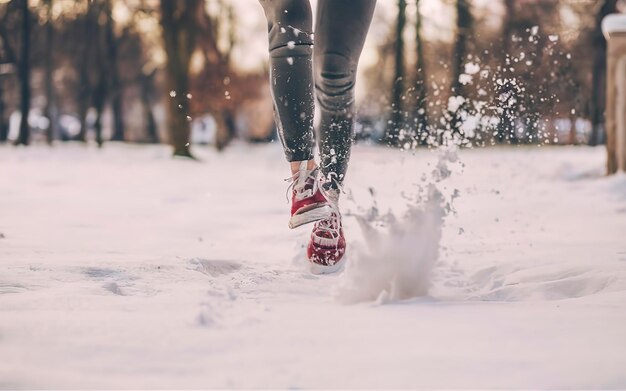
(614, 28)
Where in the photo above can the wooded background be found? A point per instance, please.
(185, 72)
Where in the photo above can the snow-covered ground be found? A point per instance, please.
(124, 268)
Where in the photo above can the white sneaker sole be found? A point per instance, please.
(317, 269)
(310, 216)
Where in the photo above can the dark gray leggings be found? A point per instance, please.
(340, 31)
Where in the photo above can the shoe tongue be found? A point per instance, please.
(303, 173)
(306, 179)
(302, 178)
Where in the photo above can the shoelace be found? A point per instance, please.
(332, 224)
(310, 174)
(332, 178)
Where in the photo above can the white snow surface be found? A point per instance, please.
(125, 268)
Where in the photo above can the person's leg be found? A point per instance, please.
(340, 31)
(291, 82)
(291, 76)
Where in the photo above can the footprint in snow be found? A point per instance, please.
(214, 268)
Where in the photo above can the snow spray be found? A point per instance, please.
(398, 260)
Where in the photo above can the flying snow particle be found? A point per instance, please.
(465, 79)
(455, 102)
(173, 94)
(188, 118)
(469, 125)
(553, 38)
(291, 44)
(189, 96)
(472, 68)
(290, 60)
(534, 30)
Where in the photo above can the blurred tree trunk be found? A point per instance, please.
(9, 58)
(103, 68)
(225, 122)
(4, 126)
(84, 93)
(420, 79)
(146, 83)
(598, 84)
(226, 128)
(49, 111)
(24, 71)
(115, 88)
(393, 134)
(99, 99)
(179, 35)
(464, 24)
(573, 138)
(86, 49)
(506, 128)
(217, 65)
(151, 126)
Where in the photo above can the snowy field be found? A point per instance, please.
(124, 268)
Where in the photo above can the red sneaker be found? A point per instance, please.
(327, 245)
(309, 203)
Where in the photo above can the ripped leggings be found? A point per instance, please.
(340, 31)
